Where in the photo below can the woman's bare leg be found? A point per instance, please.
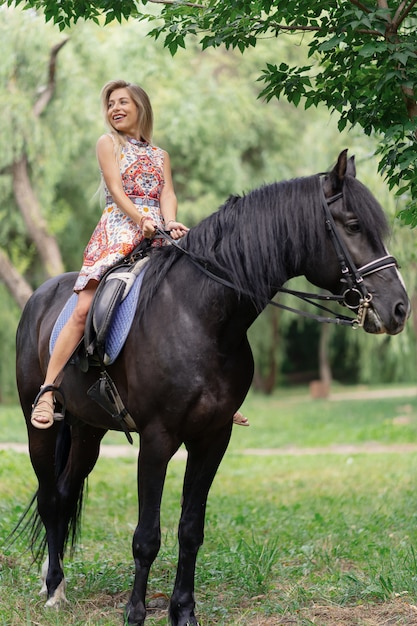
(67, 341)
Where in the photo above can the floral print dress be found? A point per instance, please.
(116, 234)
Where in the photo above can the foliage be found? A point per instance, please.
(361, 59)
(361, 64)
(221, 140)
(51, 141)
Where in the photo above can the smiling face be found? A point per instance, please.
(122, 113)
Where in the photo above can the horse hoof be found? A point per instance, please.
(44, 590)
(131, 620)
(58, 598)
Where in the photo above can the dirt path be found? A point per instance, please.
(115, 451)
(372, 394)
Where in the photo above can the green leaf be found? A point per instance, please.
(331, 43)
(370, 49)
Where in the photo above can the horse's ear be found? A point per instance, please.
(341, 166)
(351, 167)
(344, 166)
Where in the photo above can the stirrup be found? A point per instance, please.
(49, 410)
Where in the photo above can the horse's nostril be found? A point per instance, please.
(401, 311)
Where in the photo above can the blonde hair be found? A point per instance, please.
(143, 104)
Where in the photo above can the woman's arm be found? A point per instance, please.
(169, 203)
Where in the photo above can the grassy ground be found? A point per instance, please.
(325, 538)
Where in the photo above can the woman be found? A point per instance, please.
(140, 197)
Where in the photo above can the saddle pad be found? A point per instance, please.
(120, 326)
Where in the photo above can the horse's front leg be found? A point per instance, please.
(204, 458)
(152, 466)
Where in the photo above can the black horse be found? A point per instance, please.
(186, 366)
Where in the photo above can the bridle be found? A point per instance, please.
(356, 296)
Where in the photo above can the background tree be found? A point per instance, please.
(221, 139)
(361, 59)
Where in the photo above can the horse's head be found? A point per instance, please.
(356, 260)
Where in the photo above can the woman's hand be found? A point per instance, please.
(177, 230)
(148, 227)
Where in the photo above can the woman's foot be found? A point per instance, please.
(42, 415)
(240, 419)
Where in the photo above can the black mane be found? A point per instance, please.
(258, 240)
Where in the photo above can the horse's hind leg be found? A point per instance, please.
(62, 459)
(204, 458)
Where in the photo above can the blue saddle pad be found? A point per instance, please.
(120, 326)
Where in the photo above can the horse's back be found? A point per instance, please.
(46, 298)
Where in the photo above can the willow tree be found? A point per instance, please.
(24, 104)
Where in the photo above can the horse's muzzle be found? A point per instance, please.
(394, 322)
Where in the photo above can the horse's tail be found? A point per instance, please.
(62, 451)
(30, 523)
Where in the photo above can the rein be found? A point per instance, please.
(355, 297)
(307, 297)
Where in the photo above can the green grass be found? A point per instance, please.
(283, 532)
(291, 418)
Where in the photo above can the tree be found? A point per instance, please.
(42, 136)
(220, 138)
(15, 166)
(361, 59)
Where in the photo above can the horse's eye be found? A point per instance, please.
(353, 227)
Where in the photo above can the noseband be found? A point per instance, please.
(356, 297)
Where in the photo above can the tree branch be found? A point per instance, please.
(361, 6)
(47, 91)
(400, 16)
(398, 12)
(296, 28)
(24, 193)
(187, 4)
(292, 28)
(37, 227)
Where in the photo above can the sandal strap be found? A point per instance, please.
(57, 392)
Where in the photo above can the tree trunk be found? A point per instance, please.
(266, 383)
(28, 204)
(324, 361)
(17, 286)
(271, 378)
(321, 388)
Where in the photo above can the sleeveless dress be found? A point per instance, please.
(116, 234)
